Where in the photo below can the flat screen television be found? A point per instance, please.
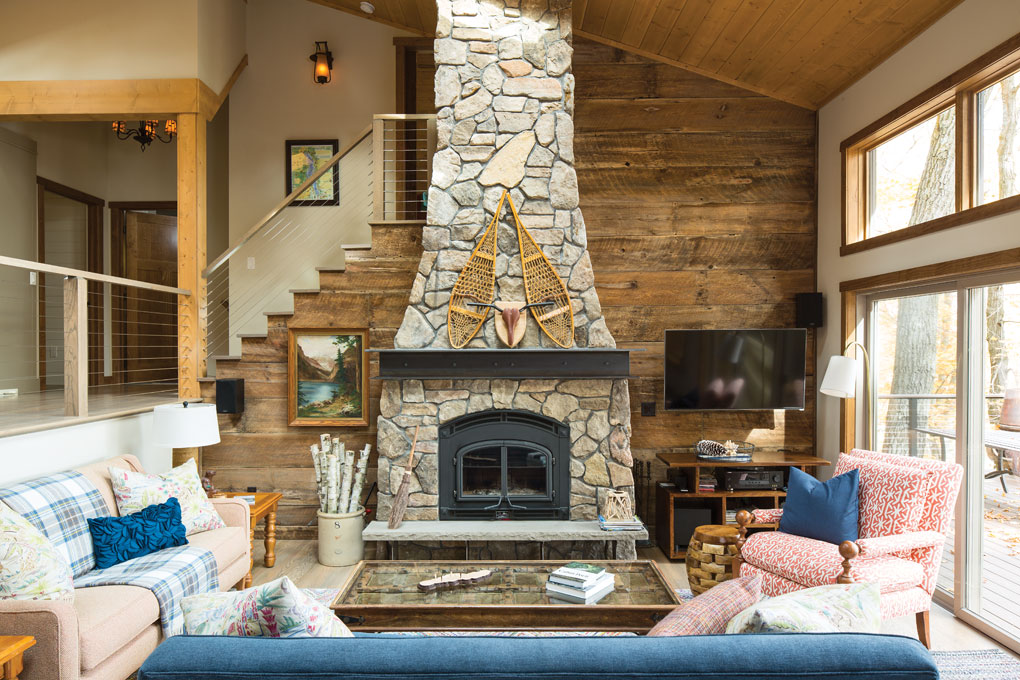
(735, 370)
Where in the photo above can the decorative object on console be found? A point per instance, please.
(455, 580)
(840, 380)
(119, 539)
(475, 283)
(276, 609)
(31, 567)
(400, 498)
(207, 482)
(710, 556)
(728, 451)
(710, 612)
(135, 491)
(305, 157)
(341, 516)
(826, 511)
(327, 377)
(616, 506)
(851, 608)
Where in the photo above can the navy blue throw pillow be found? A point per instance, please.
(119, 539)
(825, 511)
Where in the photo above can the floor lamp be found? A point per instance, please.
(185, 426)
(840, 380)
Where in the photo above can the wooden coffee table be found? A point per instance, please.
(12, 648)
(384, 596)
(264, 506)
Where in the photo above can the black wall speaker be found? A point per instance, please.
(809, 310)
(230, 395)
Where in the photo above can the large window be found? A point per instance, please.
(949, 156)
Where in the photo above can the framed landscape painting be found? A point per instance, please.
(304, 157)
(327, 377)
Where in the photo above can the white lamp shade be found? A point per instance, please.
(181, 427)
(840, 378)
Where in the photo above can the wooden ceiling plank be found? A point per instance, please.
(719, 16)
(743, 22)
(637, 22)
(750, 48)
(351, 7)
(673, 62)
(617, 18)
(883, 48)
(783, 41)
(836, 36)
(412, 15)
(580, 8)
(660, 26)
(686, 27)
(595, 17)
(428, 11)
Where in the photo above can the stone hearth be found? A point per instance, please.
(504, 95)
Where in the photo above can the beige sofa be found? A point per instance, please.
(107, 632)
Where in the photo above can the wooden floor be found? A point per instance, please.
(35, 411)
(298, 560)
(1000, 554)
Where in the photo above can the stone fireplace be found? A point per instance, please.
(504, 96)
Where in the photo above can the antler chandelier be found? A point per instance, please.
(146, 132)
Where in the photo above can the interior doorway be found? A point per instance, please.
(70, 234)
(143, 238)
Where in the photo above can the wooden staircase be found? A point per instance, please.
(258, 448)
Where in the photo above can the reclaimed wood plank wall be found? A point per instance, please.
(699, 202)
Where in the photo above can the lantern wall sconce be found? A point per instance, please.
(323, 59)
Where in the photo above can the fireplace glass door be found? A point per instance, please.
(505, 470)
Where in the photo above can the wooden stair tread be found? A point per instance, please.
(332, 270)
(253, 336)
(225, 357)
(304, 291)
(357, 246)
(397, 223)
(278, 313)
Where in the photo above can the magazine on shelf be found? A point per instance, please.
(579, 572)
(578, 586)
(634, 524)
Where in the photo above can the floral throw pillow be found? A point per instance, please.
(852, 608)
(136, 491)
(708, 613)
(275, 609)
(31, 568)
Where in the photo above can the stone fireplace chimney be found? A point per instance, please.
(505, 101)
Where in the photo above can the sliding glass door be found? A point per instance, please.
(946, 382)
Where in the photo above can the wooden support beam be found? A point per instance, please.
(76, 347)
(191, 252)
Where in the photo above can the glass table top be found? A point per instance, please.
(512, 583)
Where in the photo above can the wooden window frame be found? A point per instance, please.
(960, 89)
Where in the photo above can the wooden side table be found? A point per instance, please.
(710, 556)
(264, 506)
(12, 648)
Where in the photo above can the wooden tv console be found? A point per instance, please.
(688, 463)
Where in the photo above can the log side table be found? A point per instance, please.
(12, 649)
(264, 506)
(710, 556)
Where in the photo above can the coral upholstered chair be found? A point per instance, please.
(906, 505)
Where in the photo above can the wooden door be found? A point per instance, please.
(149, 335)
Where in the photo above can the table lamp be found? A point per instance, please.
(185, 426)
(840, 380)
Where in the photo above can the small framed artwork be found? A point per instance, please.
(304, 157)
(327, 377)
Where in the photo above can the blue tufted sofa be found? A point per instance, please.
(386, 657)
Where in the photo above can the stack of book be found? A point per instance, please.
(633, 524)
(579, 583)
(706, 482)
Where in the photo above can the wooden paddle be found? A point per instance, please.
(399, 506)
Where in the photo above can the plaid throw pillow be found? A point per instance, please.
(708, 613)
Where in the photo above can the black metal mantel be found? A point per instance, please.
(417, 364)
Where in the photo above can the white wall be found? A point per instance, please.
(33, 455)
(965, 33)
(120, 39)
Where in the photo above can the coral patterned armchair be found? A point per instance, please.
(906, 505)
